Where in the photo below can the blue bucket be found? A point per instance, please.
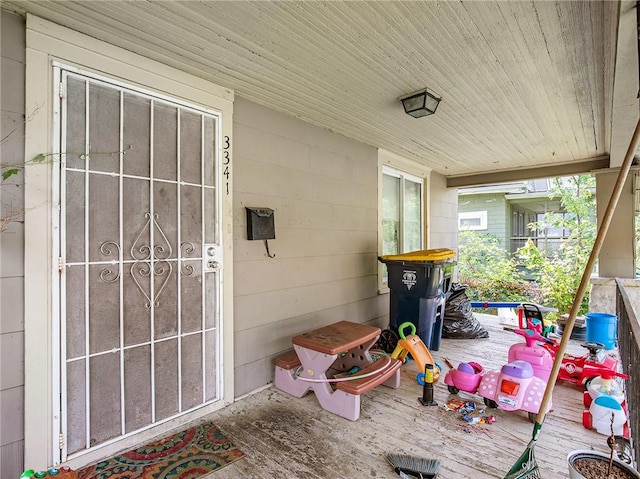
(602, 328)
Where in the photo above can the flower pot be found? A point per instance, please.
(577, 461)
(622, 448)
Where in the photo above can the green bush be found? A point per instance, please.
(494, 275)
(559, 273)
(490, 272)
(559, 276)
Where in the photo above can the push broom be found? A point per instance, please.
(526, 466)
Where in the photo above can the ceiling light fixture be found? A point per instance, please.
(420, 103)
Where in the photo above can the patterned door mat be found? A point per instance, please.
(186, 455)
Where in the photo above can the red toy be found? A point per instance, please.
(606, 415)
(581, 369)
(606, 407)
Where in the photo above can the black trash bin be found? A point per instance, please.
(419, 282)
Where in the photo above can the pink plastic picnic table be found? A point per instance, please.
(336, 347)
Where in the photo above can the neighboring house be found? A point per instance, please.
(507, 210)
(132, 299)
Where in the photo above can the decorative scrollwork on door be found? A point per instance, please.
(151, 260)
(186, 249)
(107, 275)
(161, 249)
(142, 269)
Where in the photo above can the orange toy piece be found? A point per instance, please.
(413, 345)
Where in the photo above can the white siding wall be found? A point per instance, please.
(12, 51)
(323, 188)
(442, 223)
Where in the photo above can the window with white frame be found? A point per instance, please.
(402, 213)
(472, 220)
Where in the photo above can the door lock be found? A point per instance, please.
(212, 258)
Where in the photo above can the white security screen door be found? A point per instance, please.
(140, 260)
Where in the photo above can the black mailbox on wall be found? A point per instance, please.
(260, 223)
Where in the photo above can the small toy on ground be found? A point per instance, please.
(480, 419)
(455, 404)
(413, 345)
(607, 408)
(469, 412)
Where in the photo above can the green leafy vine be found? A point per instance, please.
(12, 170)
(10, 215)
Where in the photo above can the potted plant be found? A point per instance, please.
(586, 464)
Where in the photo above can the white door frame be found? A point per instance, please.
(48, 43)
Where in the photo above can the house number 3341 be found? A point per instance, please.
(226, 159)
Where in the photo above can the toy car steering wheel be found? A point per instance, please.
(593, 347)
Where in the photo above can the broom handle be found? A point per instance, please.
(602, 233)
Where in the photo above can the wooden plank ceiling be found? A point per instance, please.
(523, 84)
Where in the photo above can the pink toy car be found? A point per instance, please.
(466, 377)
(514, 387)
(539, 357)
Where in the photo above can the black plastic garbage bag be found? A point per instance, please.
(459, 322)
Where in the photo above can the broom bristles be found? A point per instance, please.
(414, 466)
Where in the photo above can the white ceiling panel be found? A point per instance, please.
(523, 84)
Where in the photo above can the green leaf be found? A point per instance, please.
(9, 173)
(39, 158)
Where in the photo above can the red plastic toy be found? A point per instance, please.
(606, 414)
(606, 407)
(581, 369)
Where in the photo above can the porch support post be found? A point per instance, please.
(616, 257)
